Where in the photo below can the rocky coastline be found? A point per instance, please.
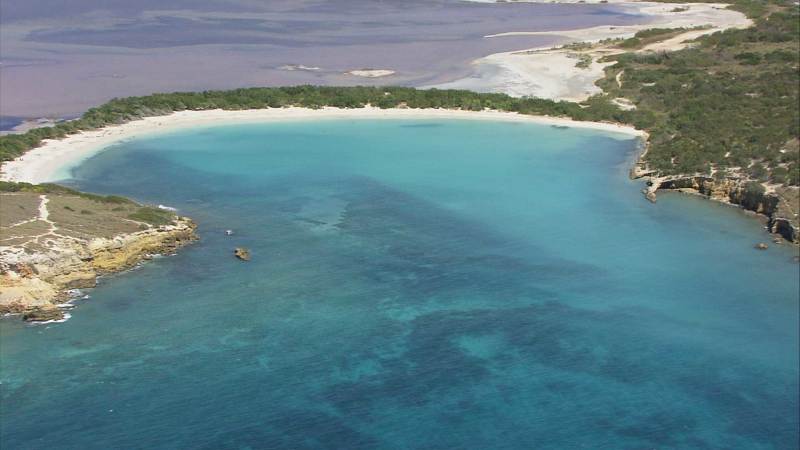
(34, 284)
(781, 219)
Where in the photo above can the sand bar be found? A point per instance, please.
(53, 160)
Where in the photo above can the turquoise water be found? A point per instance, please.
(415, 284)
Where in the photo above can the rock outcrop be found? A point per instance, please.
(33, 283)
(242, 253)
(43, 313)
(749, 195)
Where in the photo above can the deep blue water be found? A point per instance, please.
(419, 285)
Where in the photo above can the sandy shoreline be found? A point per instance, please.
(53, 160)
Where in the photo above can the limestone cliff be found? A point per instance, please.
(777, 203)
(33, 284)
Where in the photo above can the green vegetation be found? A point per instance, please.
(147, 214)
(578, 46)
(645, 37)
(584, 61)
(153, 216)
(658, 32)
(49, 188)
(729, 103)
(633, 42)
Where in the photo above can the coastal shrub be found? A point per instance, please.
(655, 32)
(584, 61)
(631, 43)
(750, 8)
(758, 172)
(782, 56)
(793, 175)
(748, 58)
(752, 196)
(152, 216)
(730, 99)
(49, 188)
(779, 175)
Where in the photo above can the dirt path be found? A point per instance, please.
(44, 214)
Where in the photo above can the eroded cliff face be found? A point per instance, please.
(778, 205)
(34, 283)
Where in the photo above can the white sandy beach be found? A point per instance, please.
(51, 161)
(551, 73)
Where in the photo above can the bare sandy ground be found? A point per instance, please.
(371, 73)
(55, 158)
(552, 73)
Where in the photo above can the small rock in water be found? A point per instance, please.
(242, 253)
(762, 246)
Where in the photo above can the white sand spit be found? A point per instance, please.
(552, 72)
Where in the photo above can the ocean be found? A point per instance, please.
(415, 284)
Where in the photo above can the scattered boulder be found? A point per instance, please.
(762, 246)
(242, 253)
(12, 307)
(43, 313)
(26, 270)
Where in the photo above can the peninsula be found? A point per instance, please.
(54, 240)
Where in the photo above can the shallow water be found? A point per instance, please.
(415, 284)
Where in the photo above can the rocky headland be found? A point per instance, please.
(54, 242)
(777, 204)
